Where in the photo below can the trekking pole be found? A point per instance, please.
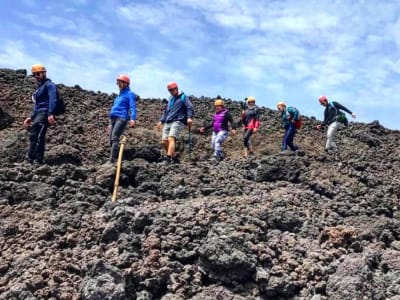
(116, 183)
(190, 143)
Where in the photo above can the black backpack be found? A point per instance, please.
(61, 107)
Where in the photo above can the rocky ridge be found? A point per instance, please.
(270, 227)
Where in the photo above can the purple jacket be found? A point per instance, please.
(220, 121)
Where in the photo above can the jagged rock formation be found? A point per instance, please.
(271, 227)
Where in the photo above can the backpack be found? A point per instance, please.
(60, 104)
(340, 116)
(299, 122)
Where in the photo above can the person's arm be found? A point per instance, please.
(189, 112)
(52, 94)
(257, 119)
(132, 106)
(342, 107)
(230, 120)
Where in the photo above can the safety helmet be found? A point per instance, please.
(172, 85)
(281, 103)
(219, 102)
(250, 99)
(38, 68)
(322, 99)
(124, 78)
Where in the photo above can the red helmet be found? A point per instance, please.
(172, 85)
(124, 78)
(323, 99)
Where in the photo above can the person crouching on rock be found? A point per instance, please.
(220, 128)
(45, 98)
(119, 115)
(251, 121)
(178, 113)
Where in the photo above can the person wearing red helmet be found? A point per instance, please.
(335, 119)
(178, 113)
(45, 98)
(124, 103)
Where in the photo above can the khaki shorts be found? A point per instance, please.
(172, 130)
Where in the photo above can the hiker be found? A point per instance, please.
(124, 103)
(335, 119)
(250, 118)
(44, 98)
(290, 116)
(178, 113)
(219, 124)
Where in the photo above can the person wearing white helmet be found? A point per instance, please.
(289, 116)
(250, 118)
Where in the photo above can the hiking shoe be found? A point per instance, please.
(167, 161)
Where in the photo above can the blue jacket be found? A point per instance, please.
(125, 100)
(178, 108)
(289, 116)
(45, 97)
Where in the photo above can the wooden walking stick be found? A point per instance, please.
(116, 183)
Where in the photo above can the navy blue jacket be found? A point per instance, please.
(178, 108)
(45, 97)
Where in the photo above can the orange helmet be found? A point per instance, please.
(219, 102)
(124, 78)
(38, 68)
(322, 99)
(172, 85)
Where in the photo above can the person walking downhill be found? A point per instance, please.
(178, 113)
(119, 115)
(335, 119)
(44, 98)
(250, 118)
(220, 127)
(289, 116)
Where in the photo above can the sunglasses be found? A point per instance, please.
(36, 74)
(171, 90)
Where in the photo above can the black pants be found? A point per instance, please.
(118, 126)
(246, 137)
(37, 137)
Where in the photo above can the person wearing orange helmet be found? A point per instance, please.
(335, 119)
(219, 124)
(44, 98)
(178, 113)
(250, 118)
(123, 104)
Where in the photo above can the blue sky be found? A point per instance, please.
(293, 51)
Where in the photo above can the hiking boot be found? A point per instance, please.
(166, 161)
